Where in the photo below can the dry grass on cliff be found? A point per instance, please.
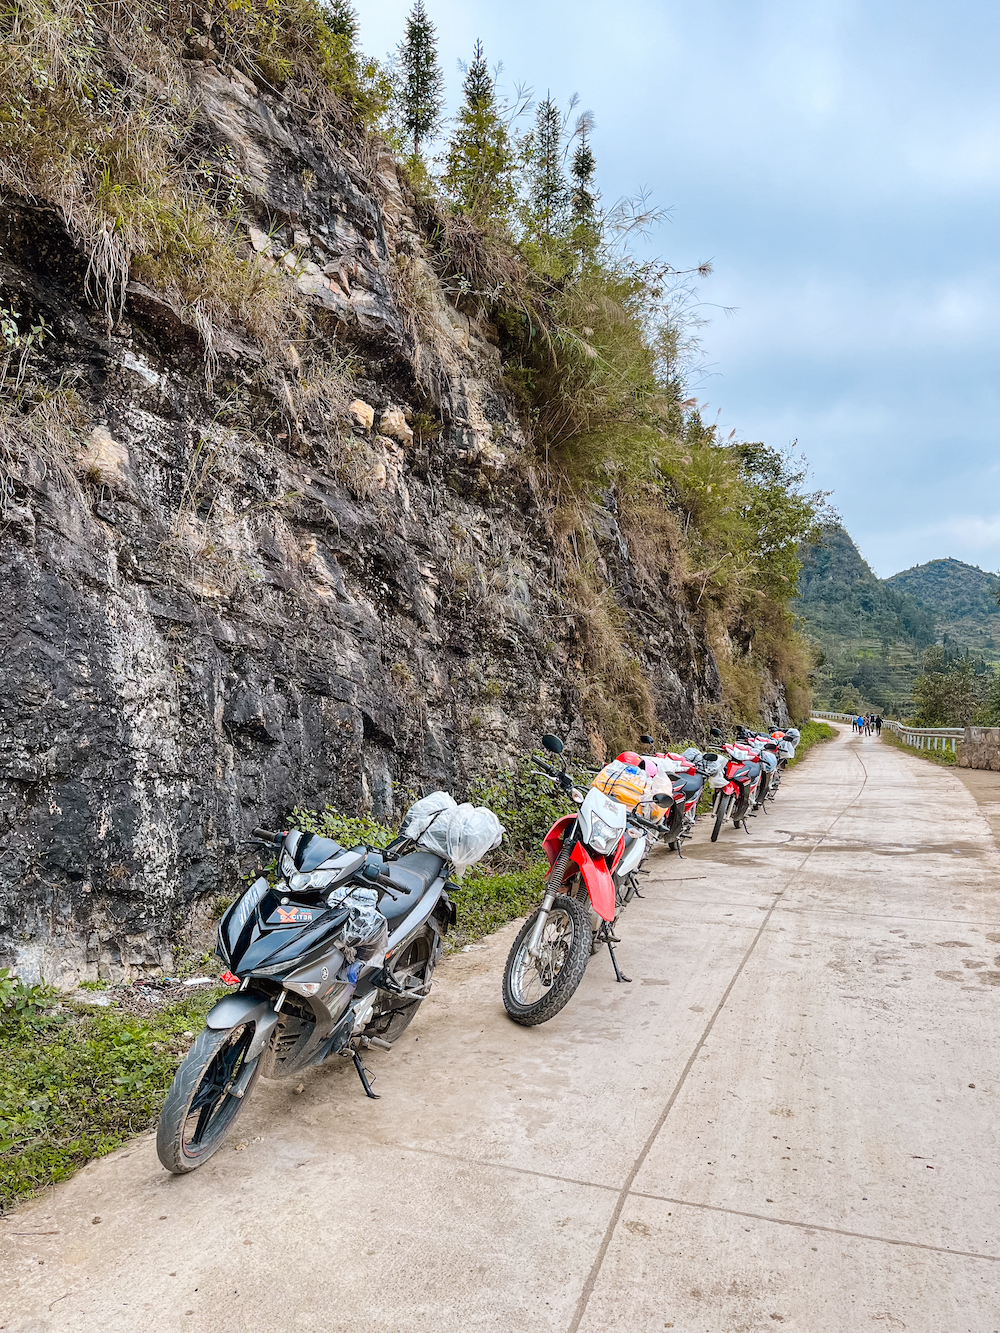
(615, 696)
(103, 128)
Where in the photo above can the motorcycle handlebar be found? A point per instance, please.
(646, 823)
(267, 835)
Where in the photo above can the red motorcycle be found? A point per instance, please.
(587, 853)
(736, 787)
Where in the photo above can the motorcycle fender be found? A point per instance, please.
(597, 878)
(246, 1008)
(554, 838)
(730, 789)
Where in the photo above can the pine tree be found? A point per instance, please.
(420, 93)
(585, 219)
(548, 191)
(342, 20)
(480, 162)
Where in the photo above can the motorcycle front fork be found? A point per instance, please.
(603, 935)
(543, 915)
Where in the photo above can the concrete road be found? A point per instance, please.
(788, 1120)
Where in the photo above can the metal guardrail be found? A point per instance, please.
(928, 738)
(921, 738)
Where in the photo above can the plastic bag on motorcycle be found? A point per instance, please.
(365, 933)
(624, 782)
(462, 834)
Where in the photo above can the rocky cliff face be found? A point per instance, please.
(220, 602)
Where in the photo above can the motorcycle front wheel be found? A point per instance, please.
(743, 802)
(201, 1105)
(536, 988)
(721, 811)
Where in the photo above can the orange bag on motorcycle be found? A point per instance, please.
(624, 782)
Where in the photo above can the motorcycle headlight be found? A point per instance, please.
(319, 879)
(286, 865)
(603, 837)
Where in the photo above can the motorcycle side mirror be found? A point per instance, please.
(709, 756)
(553, 744)
(646, 740)
(716, 733)
(661, 799)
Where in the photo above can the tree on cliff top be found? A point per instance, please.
(481, 161)
(420, 90)
(548, 191)
(585, 223)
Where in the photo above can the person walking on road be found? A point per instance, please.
(878, 723)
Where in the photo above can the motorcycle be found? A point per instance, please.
(684, 777)
(332, 960)
(785, 741)
(736, 784)
(577, 913)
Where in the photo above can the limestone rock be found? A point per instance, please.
(393, 424)
(205, 640)
(363, 413)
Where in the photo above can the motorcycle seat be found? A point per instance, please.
(411, 876)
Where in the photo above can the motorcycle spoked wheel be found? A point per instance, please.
(534, 990)
(394, 1013)
(721, 814)
(200, 1109)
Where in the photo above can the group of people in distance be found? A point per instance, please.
(867, 724)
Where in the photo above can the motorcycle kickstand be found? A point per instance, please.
(745, 829)
(363, 1076)
(619, 974)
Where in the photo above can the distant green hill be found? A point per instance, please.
(962, 599)
(841, 598)
(870, 634)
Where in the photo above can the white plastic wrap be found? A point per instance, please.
(462, 834)
(429, 809)
(366, 932)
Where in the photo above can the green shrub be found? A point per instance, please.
(486, 902)
(348, 830)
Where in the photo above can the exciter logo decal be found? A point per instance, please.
(289, 916)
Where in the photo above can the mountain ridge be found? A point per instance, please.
(871, 633)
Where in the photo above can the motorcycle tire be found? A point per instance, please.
(573, 920)
(201, 1089)
(393, 1013)
(720, 816)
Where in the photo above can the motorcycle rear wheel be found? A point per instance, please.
(394, 1013)
(534, 990)
(722, 810)
(200, 1109)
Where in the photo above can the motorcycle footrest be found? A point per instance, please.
(384, 980)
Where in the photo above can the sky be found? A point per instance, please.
(838, 162)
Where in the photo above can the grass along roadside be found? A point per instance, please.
(77, 1081)
(944, 758)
